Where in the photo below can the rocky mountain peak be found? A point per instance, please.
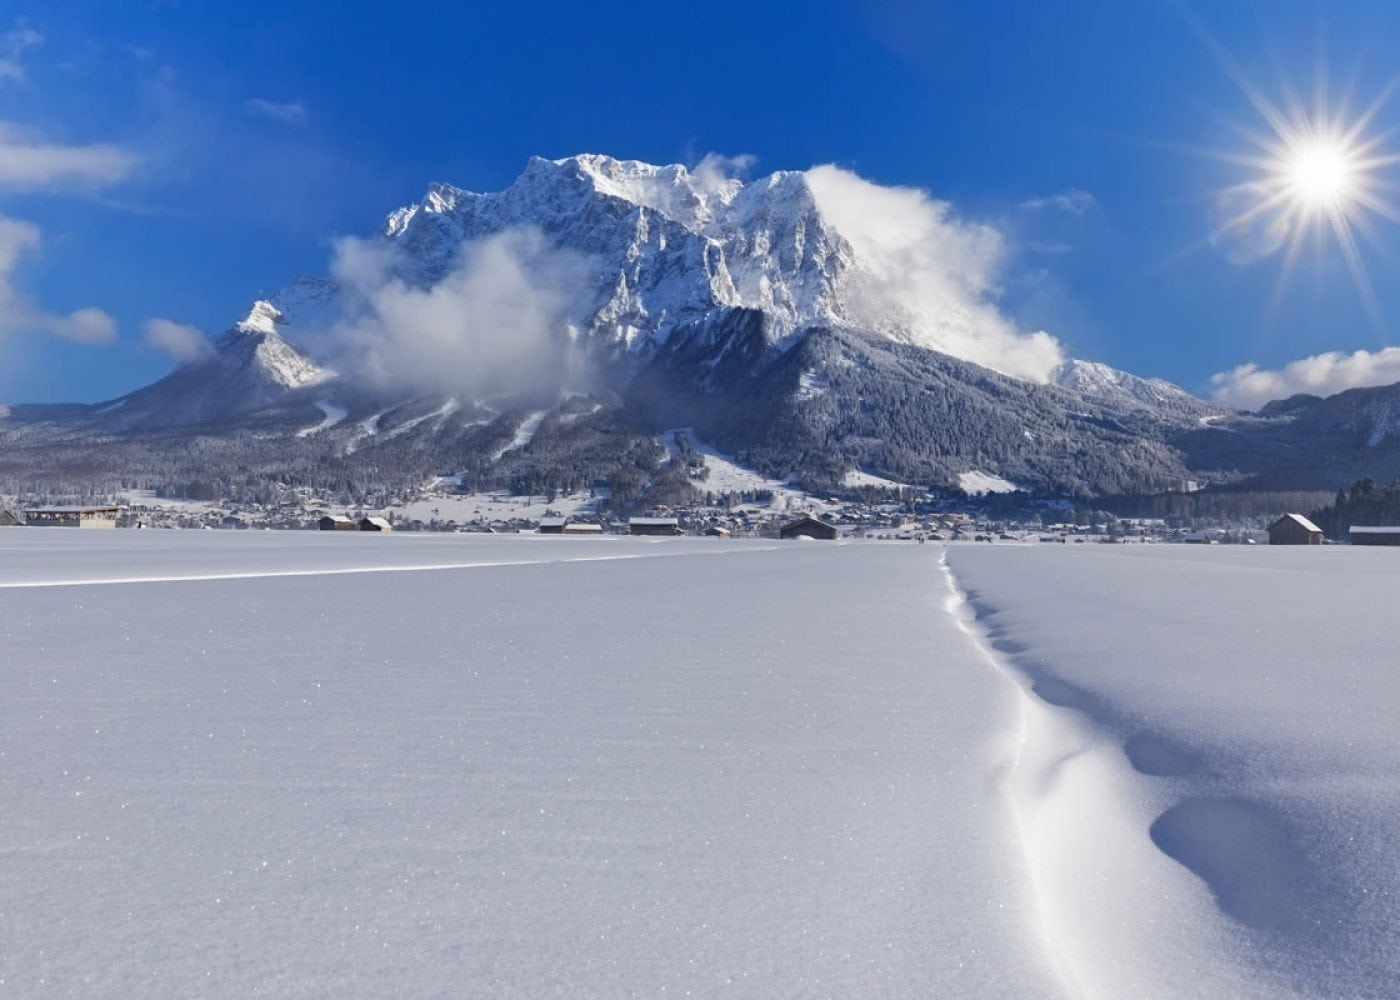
(263, 317)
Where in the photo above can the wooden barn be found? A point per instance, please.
(375, 524)
(653, 526)
(1294, 529)
(337, 522)
(582, 528)
(808, 526)
(553, 525)
(1375, 534)
(72, 517)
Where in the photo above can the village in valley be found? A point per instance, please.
(903, 515)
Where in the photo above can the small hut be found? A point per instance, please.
(1375, 534)
(582, 528)
(9, 519)
(1294, 529)
(337, 522)
(808, 526)
(654, 526)
(553, 525)
(375, 523)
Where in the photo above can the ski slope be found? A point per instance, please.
(306, 764)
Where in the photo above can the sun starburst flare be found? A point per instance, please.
(1318, 172)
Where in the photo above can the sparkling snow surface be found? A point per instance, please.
(357, 765)
(734, 769)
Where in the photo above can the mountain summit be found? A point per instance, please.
(668, 246)
(807, 322)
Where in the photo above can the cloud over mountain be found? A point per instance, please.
(1250, 386)
(177, 340)
(920, 267)
(495, 324)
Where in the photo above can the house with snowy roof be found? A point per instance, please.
(1294, 529)
(1375, 534)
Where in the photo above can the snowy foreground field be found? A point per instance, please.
(303, 765)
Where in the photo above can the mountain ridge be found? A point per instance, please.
(686, 298)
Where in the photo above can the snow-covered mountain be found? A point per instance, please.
(246, 371)
(771, 316)
(1111, 385)
(665, 246)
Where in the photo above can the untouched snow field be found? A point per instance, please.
(694, 766)
(304, 764)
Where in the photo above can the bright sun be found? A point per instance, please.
(1317, 175)
(1321, 175)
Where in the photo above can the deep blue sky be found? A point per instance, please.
(985, 104)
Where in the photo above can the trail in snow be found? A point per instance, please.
(1244, 698)
(1117, 916)
(1016, 775)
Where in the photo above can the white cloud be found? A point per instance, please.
(926, 275)
(28, 163)
(18, 313)
(86, 326)
(181, 342)
(495, 325)
(1071, 200)
(289, 113)
(16, 238)
(1249, 386)
(714, 169)
(13, 44)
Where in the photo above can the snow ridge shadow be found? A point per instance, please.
(1246, 851)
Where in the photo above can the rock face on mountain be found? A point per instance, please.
(687, 299)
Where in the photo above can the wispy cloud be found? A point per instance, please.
(19, 314)
(1250, 386)
(715, 169)
(29, 163)
(493, 325)
(289, 113)
(179, 341)
(13, 44)
(927, 275)
(1073, 201)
